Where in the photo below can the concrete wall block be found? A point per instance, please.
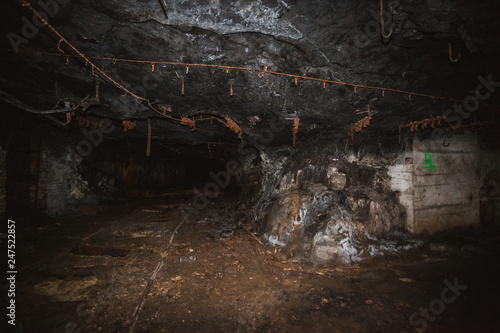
(440, 198)
(458, 143)
(448, 195)
(401, 180)
(431, 220)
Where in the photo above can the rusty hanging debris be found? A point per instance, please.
(126, 91)
(361, 112)
(476, 126)
(450, 54)
(261, 74)
(233, 126)
(231, 81)
(188, 122)
(97, 91)
(295, 129)
(128, 125)
(88, 102)
(473, 127)
(357, 127)
(83, 122)
(182, 83)
(165, 108)
(422, 123)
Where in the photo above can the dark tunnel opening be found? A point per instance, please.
(83, 170)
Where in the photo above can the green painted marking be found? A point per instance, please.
(428, 164)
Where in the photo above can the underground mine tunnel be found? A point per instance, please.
(250, 166)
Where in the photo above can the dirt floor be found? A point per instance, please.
(116, 271)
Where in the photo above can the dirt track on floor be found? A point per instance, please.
(91, 274)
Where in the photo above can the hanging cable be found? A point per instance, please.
(183, 120)
(187, 121)
(388, 35)
(88, 61)
(354, 85)
(14, 101)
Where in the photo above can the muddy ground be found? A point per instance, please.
(116, 271)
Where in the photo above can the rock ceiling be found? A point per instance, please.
(251, 62)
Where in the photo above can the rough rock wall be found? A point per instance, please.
(327, 206)
(61, 184)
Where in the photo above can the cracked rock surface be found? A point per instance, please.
(333, 40)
